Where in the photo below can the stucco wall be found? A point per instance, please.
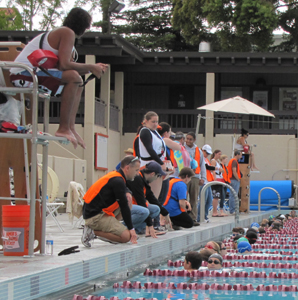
(273, 153)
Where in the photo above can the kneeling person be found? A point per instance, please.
(176, 203)
(141, 191)
(106, 204)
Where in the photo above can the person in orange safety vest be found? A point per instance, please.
(234, 176)
(176, 203)
(106, 203)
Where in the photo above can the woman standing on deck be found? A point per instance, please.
(151, 147)
(217, 174)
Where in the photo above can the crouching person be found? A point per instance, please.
(144, 200)
(106, 204)
(176, 203)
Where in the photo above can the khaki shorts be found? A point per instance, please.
(105, 223)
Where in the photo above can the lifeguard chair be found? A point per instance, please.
(18, 153)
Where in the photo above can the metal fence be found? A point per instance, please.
(100, 107)
(54, 115)
(285, 122)
(114, 117)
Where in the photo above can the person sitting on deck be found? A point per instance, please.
(66, 78)
(144, 199)
(106, 203)
(176, 203)
(192, 261)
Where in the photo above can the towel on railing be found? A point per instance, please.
(75, 202)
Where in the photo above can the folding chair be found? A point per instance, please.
(52, 209)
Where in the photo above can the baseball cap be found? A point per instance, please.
(255, 225)
(271, 217)
(153, 166)
(243, 246)
(207, 148)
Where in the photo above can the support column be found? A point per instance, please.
(89, 124)
(105, 85)
(210, 93)
(119, 92)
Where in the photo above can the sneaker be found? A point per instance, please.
(160, 228)
(207, 220)
(87, 236)
(195, 223)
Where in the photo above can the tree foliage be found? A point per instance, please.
(237, 25)
(288, 22)
(10, 19)
(147, 25)
(49, 12)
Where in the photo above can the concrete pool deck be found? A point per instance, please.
(31, 278)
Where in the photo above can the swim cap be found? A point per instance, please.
(255, 225)
(218, 256)
(242, 239)
(243, 246)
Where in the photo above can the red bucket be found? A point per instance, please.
(15, 223)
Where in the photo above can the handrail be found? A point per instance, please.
(259, 198)
(202, 200)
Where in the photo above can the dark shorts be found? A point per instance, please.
(46, 83)
(216, 191)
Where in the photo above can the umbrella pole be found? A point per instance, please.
(198, 127)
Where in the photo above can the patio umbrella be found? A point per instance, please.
(237, 105)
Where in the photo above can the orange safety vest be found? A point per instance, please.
(96, 188)
(209, 175)
(225, 174)
(230, 170)
(197, 158)
(134, 201)
(172, 182)
(172, 158)
(135, 146)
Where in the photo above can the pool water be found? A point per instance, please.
(215, 287)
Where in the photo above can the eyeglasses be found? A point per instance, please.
(224, 248)
(134, 159)
(216, 262)
(210, 247)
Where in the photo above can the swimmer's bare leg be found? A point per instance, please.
(73, 114)
(72, 81)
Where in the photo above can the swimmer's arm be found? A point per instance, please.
(172, 145)
(66, 41)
